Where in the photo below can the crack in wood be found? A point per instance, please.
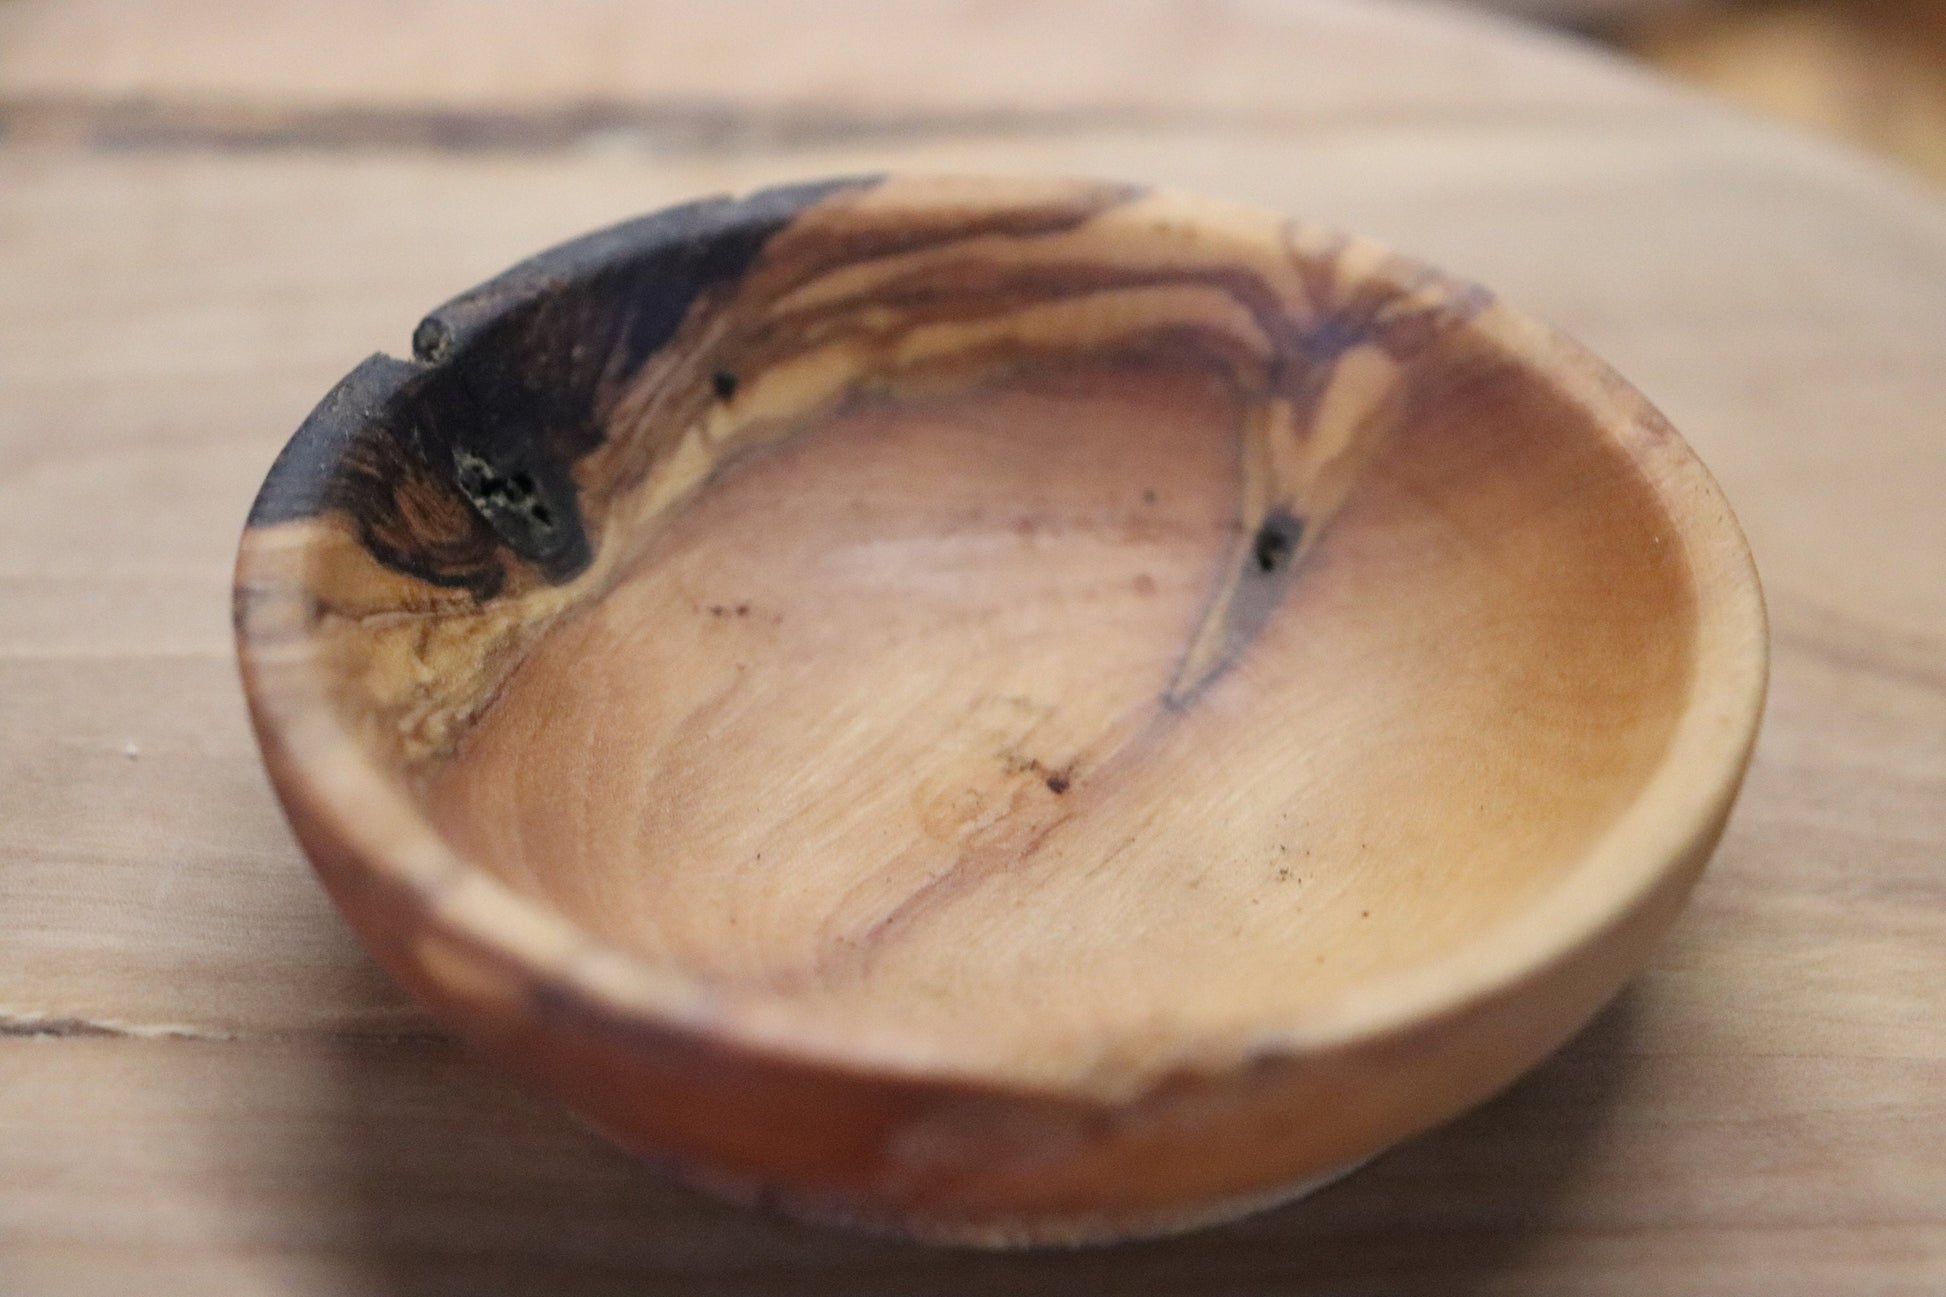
(676, 127)
(29, 1026)
(58, 1028)
(664, 128)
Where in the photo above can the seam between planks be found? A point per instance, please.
(676, 127)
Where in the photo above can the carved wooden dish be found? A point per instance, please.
(1004, 711)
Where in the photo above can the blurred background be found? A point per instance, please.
(1872, 72)
(1869, 72)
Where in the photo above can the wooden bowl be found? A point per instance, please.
(1003, 711)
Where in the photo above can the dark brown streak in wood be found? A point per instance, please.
(973, 291)
(927, 232)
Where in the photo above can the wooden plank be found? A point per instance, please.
(128, 431)
(1012, 60)
(393, 1166)
(204, 1086)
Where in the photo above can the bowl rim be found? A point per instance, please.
(1670, 823)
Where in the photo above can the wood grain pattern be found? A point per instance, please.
(1325, 791)
(974, 67)
(596, 408)
(1761, 1114)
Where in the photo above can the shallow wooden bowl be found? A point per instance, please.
(1004, 711)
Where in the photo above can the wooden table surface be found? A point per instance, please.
(208, 212)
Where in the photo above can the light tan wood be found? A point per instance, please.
(971, 66)
(943, 783)
(1028, 711)
(1761, 1114)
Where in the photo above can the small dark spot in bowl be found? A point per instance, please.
(724, 384)
(1276, 541)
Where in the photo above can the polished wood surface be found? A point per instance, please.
(207, 1086)
(1011, 710)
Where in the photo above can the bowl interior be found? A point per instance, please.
(1015, 690)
